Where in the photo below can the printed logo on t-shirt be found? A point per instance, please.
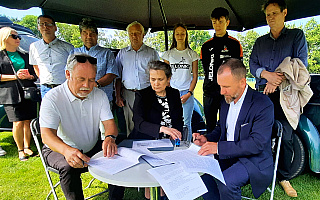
(211, 65)
(225, 49)
(182, 64)
(223, 57)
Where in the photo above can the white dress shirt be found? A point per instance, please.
(233, 114)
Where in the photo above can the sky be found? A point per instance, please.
(37, 11)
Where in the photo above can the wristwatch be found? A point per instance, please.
(112, 136)
(190, 92)
(98, 84)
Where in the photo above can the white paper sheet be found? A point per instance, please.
(151, 143)
(156, 162)
(177, 183)
(112, 165)
(192, 162)
(126, 158)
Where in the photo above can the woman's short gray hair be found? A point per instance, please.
(72, 61)
(159, 65)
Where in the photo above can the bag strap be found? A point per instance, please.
(14, 71)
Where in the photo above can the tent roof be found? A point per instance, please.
(156, 14)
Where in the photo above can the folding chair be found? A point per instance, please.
(278, 128)
(277, 131)
(35, 130)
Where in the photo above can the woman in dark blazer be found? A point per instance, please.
(19, 110)
(157, 109)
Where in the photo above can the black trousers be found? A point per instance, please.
(286, 150)
(70, 179)
(211, 106)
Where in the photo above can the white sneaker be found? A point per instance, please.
(2, 152)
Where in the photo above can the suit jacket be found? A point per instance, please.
(11, 91)
(295, 91)
(147, 113)
(252, 145)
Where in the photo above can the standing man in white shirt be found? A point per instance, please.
(132, 62)
(49, 55)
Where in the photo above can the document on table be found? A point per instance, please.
(156, 162)
(126, 158)
(152, 158)
(151, 143)
(192, 162)
(177, 183)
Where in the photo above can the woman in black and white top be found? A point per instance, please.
(157, 110)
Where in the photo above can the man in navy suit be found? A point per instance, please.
(241, 140)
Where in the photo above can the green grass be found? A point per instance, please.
(27, 180)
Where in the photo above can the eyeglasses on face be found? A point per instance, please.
(46, 24)
(83, 59)
(15, 36)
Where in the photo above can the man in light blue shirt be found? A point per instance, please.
(106, 69)
(132, 64)
(49, 55)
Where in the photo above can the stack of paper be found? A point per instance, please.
(176, 171)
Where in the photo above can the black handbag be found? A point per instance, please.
(30, 93)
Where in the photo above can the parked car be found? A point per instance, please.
(27, 37)
(306, 137)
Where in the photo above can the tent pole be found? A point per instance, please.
(165, 22)
(166, 37)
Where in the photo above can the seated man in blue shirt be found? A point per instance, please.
(242, 138)
(267, 54)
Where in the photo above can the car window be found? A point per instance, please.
(26, 40)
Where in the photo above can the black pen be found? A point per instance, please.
(201, 132)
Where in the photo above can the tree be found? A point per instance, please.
(30, 21)
(157, 40)
(69, 33)
(196, 40)
(119, 40)
(312, 32)
(247, 41)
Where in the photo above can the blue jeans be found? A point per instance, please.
(187, 112)
(44, 89)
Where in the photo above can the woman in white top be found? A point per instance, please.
(184, 64)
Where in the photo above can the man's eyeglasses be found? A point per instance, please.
(15, 36)
(83, 59)
(45, 24)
